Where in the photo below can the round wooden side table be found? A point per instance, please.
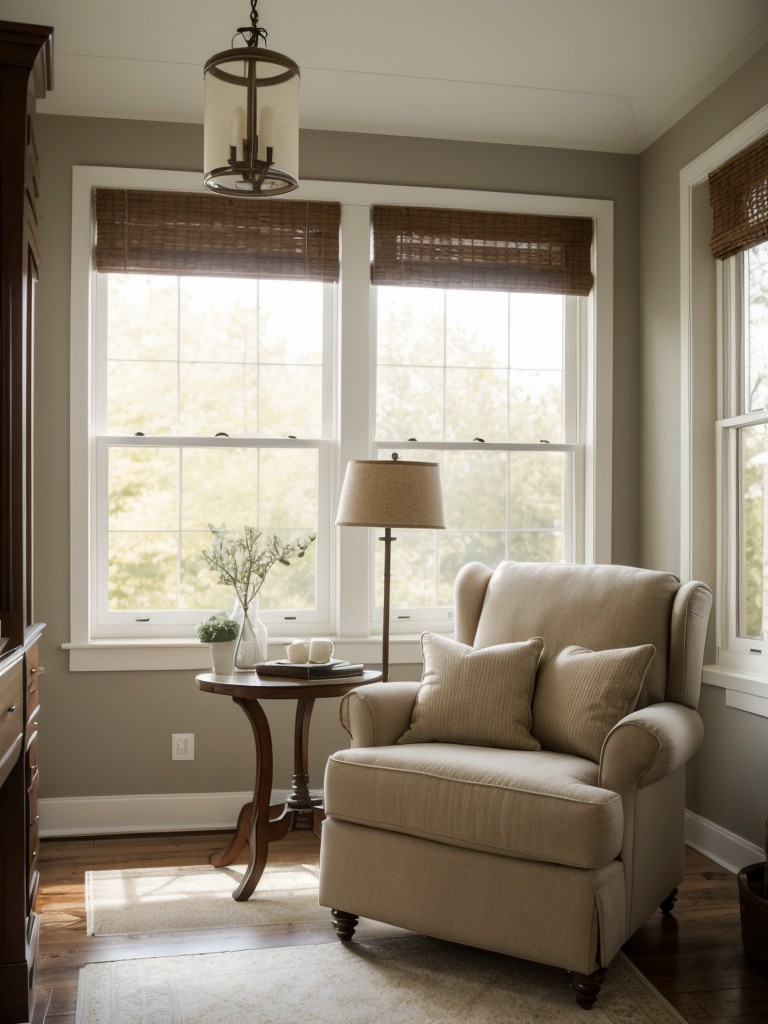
(259, 822)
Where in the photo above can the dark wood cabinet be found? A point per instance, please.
(25, 76)
(19, 840)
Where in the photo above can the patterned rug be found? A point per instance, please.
(151, 900)
(406, 980)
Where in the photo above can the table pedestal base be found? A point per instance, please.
(259, 822)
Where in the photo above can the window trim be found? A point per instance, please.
(117, 625)
(355, 363)
(735, 651)
(435, 619)
(574, 324)
(106, 625)
(702, 496)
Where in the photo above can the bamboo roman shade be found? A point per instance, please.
(738, 194)
(444, 248)
(154, 232)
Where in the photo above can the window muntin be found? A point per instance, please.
(752, 448)
(756, 328)
(188, 360)
(752, 443)
(490, 363)
(744, 456)
(204, 355)
(491, 517)
(352, 366)
(453, 366)
(485, 381)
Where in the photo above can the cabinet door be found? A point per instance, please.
(26, 65)
(11, 715)
(32, 770)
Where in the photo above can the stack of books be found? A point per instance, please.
(307, 670)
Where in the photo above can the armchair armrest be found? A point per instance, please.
(378, 714)
(648, 745)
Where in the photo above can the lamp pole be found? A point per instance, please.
(388, 539)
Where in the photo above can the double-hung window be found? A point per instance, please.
(739, 198)
(479, 334)
(212, 333)
(227, 363)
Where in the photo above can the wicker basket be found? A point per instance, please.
(754, 915)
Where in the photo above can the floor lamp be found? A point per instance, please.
(394, 494)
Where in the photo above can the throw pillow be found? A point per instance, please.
(581, 694)
(482, 697)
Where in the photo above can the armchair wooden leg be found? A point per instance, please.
(587, 986)
(344, 924)
(669, 903)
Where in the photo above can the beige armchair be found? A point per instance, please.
(525, 800)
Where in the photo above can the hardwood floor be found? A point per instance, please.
(694, 957)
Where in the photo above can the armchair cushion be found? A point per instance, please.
(531, 804)
(475, 697)
(582, 694)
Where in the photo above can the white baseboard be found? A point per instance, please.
(202, 812)
(145, 812)
(723, 847)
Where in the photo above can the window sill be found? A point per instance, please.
(191, 656)
(743, 690)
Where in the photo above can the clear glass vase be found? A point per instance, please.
(251, 647)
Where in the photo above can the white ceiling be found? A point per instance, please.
(607, 75)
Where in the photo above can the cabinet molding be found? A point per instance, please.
(26, 65)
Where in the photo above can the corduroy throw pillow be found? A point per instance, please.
(482, 697)
(581, 694)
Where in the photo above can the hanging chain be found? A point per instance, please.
(254, 33)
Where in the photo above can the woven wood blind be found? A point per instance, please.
(153, 232)
(738, 194)
(475, 249)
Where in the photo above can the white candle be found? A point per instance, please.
(237, 131)
(266, 131)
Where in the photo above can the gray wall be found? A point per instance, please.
(727, 779)
(110, 733)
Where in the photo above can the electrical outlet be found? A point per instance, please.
(183, 746)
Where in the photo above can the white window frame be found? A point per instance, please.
(166, 625)
(106, 624)
(737, 652)
(707, 508)
(574, 362)
(350, 564)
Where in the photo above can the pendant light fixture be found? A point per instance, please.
(251, 132)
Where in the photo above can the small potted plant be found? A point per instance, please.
(220, 633)
(753, 899)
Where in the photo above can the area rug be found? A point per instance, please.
(151, 900)
(409, 980)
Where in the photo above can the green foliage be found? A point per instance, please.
(753, 443)
(450, 366)
(243, 561)
(217, 629)
(453, 366)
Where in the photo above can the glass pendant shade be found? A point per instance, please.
(251, 134)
